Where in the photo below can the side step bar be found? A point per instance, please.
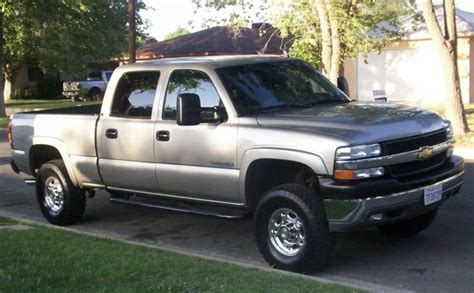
(190, 210)
(30, 181)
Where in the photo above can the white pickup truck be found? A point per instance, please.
(230, 136)
(91, 89)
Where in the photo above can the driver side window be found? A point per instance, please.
(191, 82)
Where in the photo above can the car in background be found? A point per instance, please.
(92, 89)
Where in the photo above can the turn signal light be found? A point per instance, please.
(10, 135)
(359, 174)
(344, 174)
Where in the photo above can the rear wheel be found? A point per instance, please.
(409, 227)
(60, 202)
(292, 230)
(95, 94)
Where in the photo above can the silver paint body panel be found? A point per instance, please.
(207, 162)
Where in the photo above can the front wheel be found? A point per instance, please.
(409, 227)
(60, 202)
(292, 230)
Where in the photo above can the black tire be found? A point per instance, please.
(94, 94)
(75, 98)
(409, 227)
(308, 207)
(73, 201)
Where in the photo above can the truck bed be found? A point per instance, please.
(71, 130)
(75, 110)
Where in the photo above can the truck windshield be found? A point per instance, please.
(277, 86)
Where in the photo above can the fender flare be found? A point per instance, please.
(314, 162)
(61, 147)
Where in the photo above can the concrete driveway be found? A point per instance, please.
(441, 259)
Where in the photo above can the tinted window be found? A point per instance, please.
(190, 81)
(108, 75)
(277, 86)
(135, 94)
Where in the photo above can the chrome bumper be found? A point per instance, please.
(346, 215)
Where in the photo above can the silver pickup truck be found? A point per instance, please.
(231, 136)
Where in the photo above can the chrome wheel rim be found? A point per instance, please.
(286, 232)
(53, 195)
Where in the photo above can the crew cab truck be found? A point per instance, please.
(91, 89)
(233, 135)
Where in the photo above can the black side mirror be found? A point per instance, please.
(343, 85)
(220, 115)
(188, 109)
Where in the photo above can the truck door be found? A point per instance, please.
(196, 161)
(125, 136)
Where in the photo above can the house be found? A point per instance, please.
(410, 70)
(261, 38)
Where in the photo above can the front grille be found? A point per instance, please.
(414, 143)
(417, 167)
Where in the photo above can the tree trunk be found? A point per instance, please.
(132, 40)
(2, 101)
(326, 36)
(447, 49)
(8, 89)
(336, 44)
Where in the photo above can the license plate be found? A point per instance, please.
(433, 194)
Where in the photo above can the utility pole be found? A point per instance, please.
(132, 32)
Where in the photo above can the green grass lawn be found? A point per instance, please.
(3, 122)
(46, 259)
(45, 104)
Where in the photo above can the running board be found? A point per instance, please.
(30, 181)
(190, 210)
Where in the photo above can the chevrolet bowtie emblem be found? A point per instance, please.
(425, 153)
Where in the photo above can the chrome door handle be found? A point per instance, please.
(163, 135)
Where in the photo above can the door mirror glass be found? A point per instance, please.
(188, 109)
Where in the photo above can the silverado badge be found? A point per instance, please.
(425, 153)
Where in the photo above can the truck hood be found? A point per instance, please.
(356, 122)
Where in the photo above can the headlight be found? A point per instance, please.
(358, 152)
(450, 132)
(359, 174)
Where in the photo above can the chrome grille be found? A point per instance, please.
(418, 167)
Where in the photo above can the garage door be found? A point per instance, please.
(404, 75)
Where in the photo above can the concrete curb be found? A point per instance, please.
(352, 283)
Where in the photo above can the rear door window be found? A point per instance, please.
(135, 95)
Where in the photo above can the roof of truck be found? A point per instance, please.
(212, 61)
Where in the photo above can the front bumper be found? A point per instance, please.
(359, 212)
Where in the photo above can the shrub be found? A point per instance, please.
(49, 89)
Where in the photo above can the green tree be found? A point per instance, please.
(326, 32)
(330, 31)
(59, 35)
(178, 32)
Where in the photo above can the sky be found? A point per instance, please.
(165, 16)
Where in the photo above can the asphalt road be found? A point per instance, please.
(441, 259)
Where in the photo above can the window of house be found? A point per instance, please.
(192, 82)
(135, 94)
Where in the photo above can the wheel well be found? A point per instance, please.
(262, 175)
(94, 89)
(40, 154)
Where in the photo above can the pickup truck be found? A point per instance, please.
(232, 136)
(91, 89)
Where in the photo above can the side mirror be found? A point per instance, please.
(220, 115)
(188, 109)
(343, 85)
